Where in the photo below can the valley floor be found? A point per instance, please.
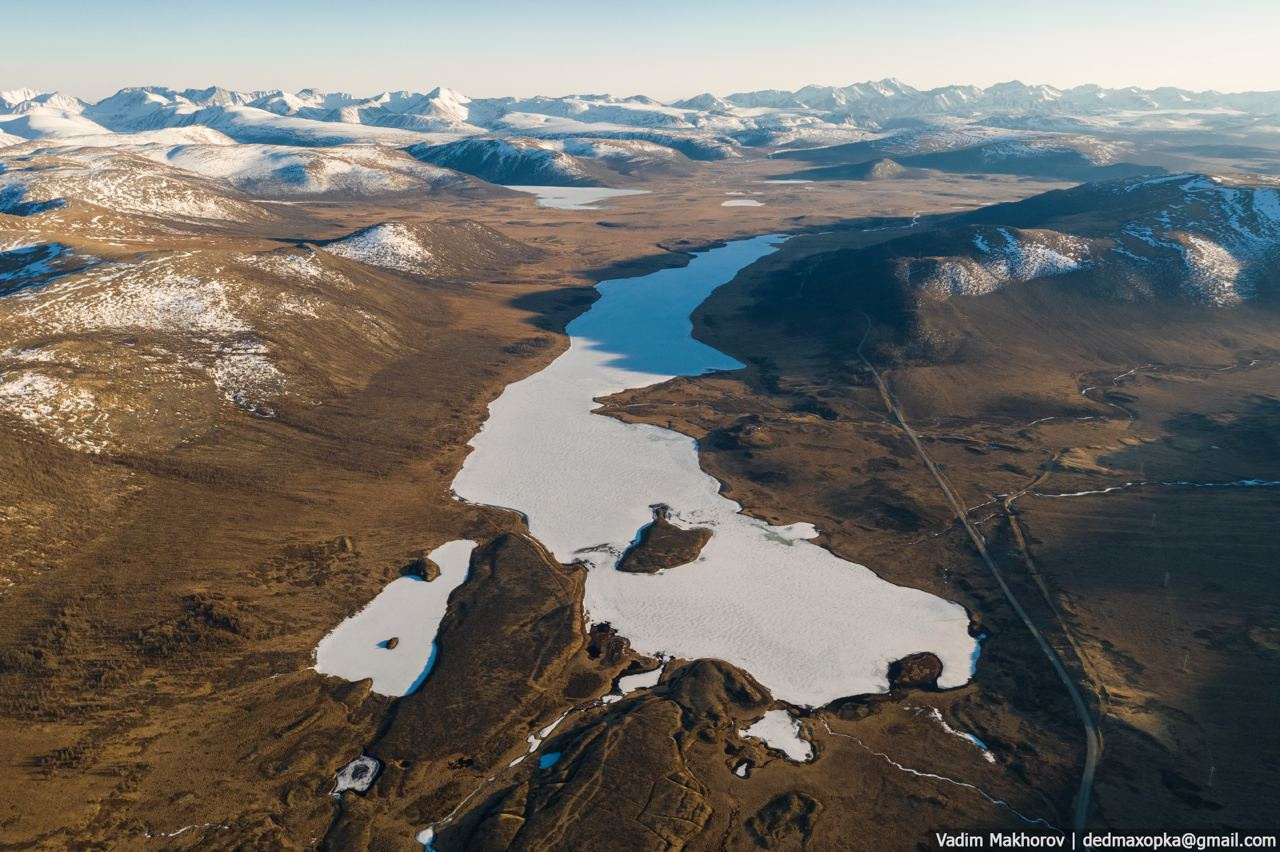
(164, 594)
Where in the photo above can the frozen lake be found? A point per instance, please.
(808, 625)
(781, 732)
(575, 197)
(392, 641)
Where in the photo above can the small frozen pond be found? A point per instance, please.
(357, 775)
(741, 202)
(644, 680)
(575, 197)
(407, 611)
(780, 732)
(630, 683)
(535, 739)
(808, 625)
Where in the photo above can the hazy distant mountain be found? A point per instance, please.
(759, 115)
(892, 99)
(1082, 133)
(1063, 156)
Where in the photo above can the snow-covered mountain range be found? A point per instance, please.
(1084, 133)
(813, 113)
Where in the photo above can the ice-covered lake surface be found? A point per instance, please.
(808, 625)
(357, 775)
(779, 731)
(575, 197)
(408, 611)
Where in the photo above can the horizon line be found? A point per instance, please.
(441, 86)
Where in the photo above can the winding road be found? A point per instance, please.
(1093, 738)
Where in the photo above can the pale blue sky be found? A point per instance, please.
(664, 48)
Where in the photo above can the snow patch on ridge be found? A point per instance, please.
(390, 245)
(69, 413)
(1018, 257)
(1214, 273)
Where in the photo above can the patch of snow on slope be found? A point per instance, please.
(155, 295)
(194, 135)
(1022, 257)
(295, 266)
(288, 171)
(954, 277)
(1028, 259)
(245, 374)
(390, 245)
(55, 406)
(1266, 203)
(1214, 273)
(122, 182)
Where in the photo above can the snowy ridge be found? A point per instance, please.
(120, 181)
(1224, 236)
(1004, 257)
(28, 264)
(627, 150)
(196, 323)
(708, 126)
(159, 294)
(1092, 150)
(203, 332)
(1212, 240)
(507, 161)
(68, 412)
(390, 245)
(442, 249)
(283, 171)
(194, 135)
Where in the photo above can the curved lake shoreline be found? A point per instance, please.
(809, 626)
